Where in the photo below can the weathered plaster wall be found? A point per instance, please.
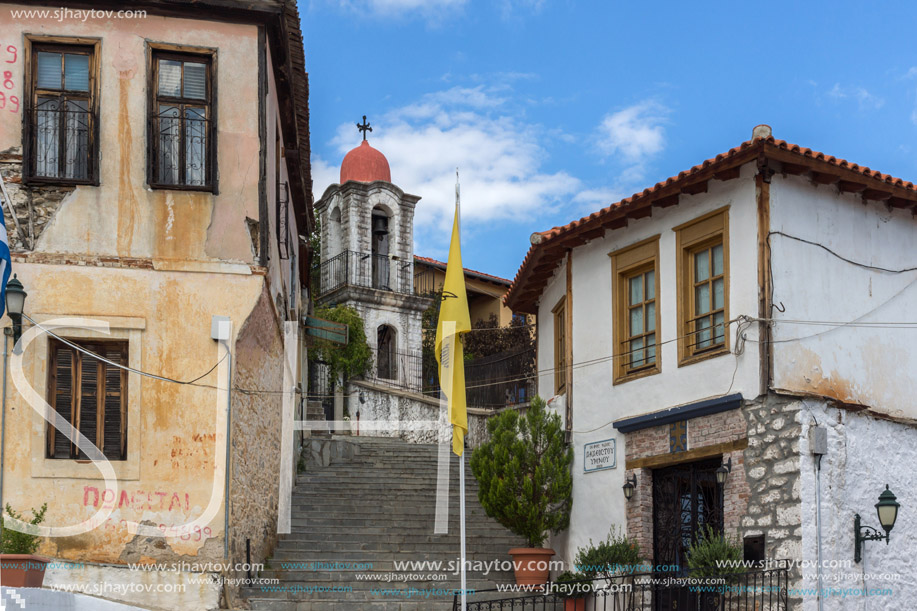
(186, 590)
(171, 428)
(864, 454)
(256, 435)
(874, 367)
(122, 217)
(596, 401)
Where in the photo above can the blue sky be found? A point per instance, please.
(555, 108)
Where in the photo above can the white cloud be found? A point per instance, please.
(635, 132)
(430, 9)
(499, 157)
(864, 98)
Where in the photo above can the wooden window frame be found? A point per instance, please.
(700, 233)
(560, 348)
(63, 44)
(54, 346)
(626, 263)
(156, 51)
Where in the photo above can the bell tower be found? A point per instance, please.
(367, 261)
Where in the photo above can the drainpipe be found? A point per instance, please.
(228, 442)
(818, 526)
(6, 342)
(818, 445)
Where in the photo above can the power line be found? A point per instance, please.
(841, 257)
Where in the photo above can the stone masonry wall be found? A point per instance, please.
(256, 435)
(35, 206)
(772, 460)
(399, 408)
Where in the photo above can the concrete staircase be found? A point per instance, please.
(370, 502)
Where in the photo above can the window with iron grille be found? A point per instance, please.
(635, 282)
(61, 121)
(703, 308)
(182, 121)
(91, 395)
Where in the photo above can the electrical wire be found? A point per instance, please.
(147, 374)
(841, 257)
(101, 358)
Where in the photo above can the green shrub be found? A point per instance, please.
(524, 472)
(614, 556)
(15, 542)
(708, 555)
(572, 585)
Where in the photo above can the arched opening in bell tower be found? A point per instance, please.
(380, 249)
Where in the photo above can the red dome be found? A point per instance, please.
(365, 164)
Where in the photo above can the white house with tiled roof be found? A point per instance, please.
(750, 314)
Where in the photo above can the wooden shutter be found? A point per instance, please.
(91, 395)
(61, 397)
(115, 404)
(88, 420)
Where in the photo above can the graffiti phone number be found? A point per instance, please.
(8, 102)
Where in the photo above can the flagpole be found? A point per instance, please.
(458, 217)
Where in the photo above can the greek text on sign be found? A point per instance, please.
(599, 455)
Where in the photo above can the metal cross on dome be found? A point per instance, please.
(364, 127)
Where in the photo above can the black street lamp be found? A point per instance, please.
(15, 304)
(629, 486)
(723, 471)
(887, 510)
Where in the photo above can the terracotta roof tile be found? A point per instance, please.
(745, 152)
(482, 275)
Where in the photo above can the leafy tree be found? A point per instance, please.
(348, 361)
(15, 542)
(515, 337)
(524, 472)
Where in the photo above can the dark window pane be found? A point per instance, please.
(195, 85)
(49, 70)
(47, 137)
(76, 152)
(76, 72)
(169, 138)
(195, 146)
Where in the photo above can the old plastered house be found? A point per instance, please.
(158, 165)
(719, 318)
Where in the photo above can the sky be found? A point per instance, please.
(552, 109)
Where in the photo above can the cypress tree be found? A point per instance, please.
(524, 472)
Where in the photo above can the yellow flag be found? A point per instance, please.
(454, 320)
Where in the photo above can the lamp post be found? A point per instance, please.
(629, 486)
(723, 471)
(887, 510)
(15, 304)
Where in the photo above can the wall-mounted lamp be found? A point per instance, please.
(629, 486)
(887, 509)
(723, 471)
(15, 305)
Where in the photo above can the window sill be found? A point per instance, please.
(208, 189)
(636, 375)
(40, 181)
(703, 356)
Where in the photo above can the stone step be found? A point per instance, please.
(372, 501)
